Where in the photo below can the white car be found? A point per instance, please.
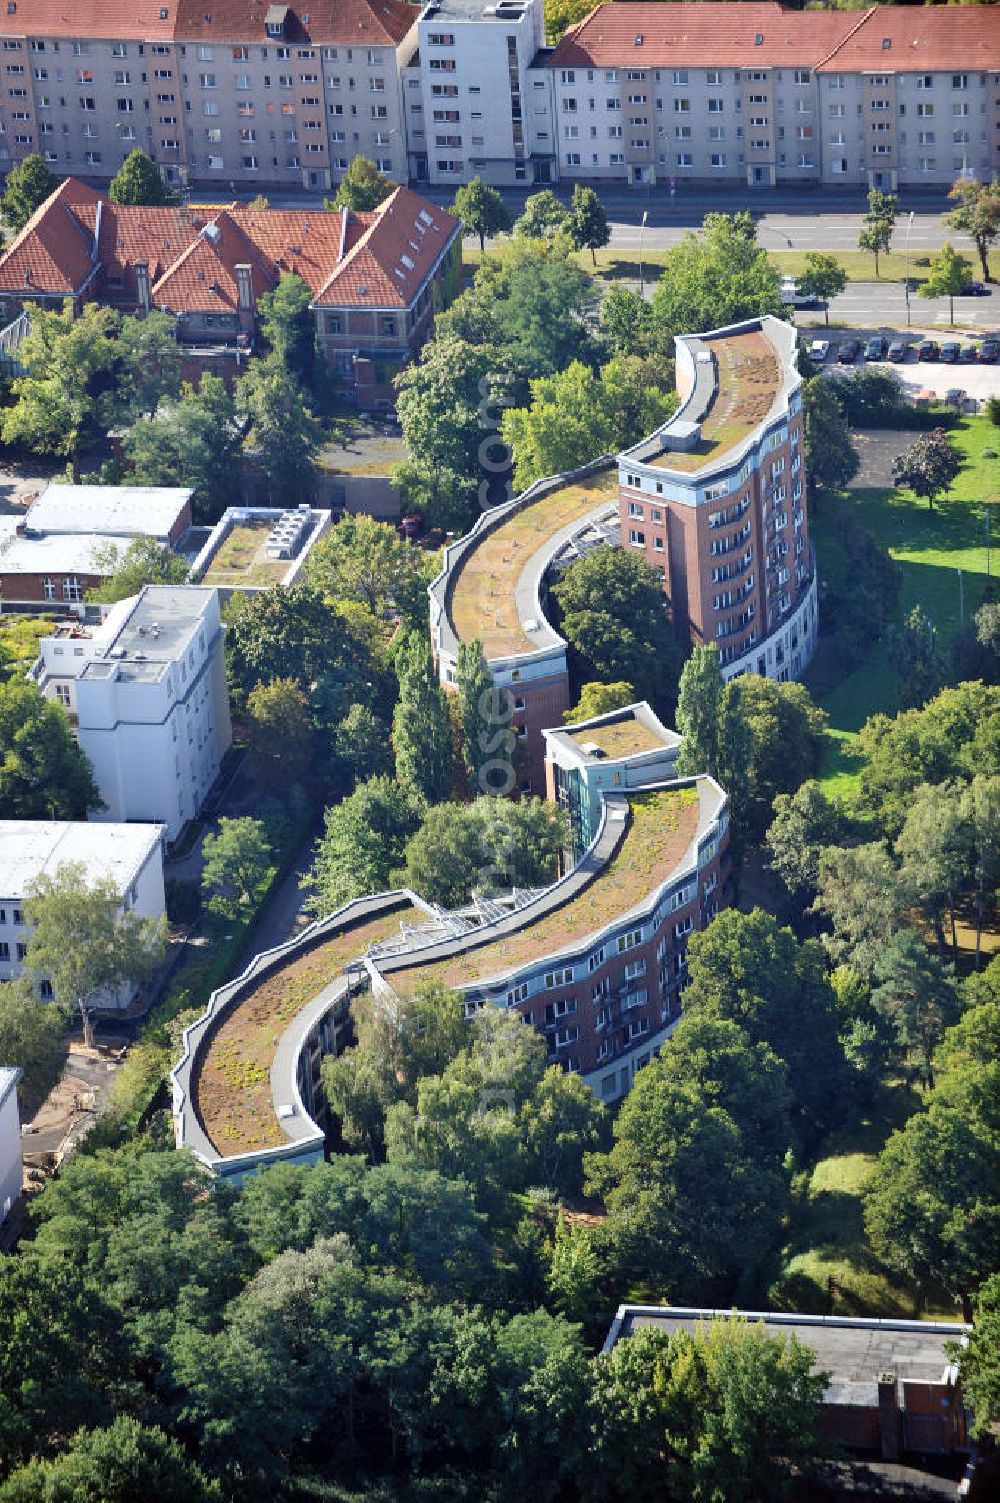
(791, 297)
(818, 350)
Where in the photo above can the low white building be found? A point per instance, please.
(130, 855)
(162, 512)
(146, 690)
(11, 1168)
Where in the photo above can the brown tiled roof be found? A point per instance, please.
(368, 23)
(203, 278)
(352, 260)
(702, 34)
(117, 20)
(53, 251)
(922, 39)
(388, 253)
(363, 22)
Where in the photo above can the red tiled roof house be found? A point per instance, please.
(377, 278)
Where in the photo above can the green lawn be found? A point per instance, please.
(931, 546)
(828, 1266)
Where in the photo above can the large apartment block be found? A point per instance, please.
(646, 93)
(236, 95)
(716, 500)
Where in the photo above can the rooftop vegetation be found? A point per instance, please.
(617, 738)
(482, 600)
(241, 559)
(661, 827)
(232, 1084)
(749, 379)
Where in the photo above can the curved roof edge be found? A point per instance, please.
(446, 639)
(304, 1139)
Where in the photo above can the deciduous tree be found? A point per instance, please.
(804, 823)
(363, 841)
(237, 864)
(588, 222)
(928, 466)
(481, 210)
(917, 660)
(119, 1464)
(281, 732)
(145, 561)
(289, 325)
(283, 435)
(599, 699)
(977, 215)
(824, 277)
(488, 846)
(935, 851)
(831, 459)
(83, 943)
(978, 1358)
(55, 402)
(916, 995)
(864, 897)
(31, 1037)
(26, 187)
(880, 221)
(138, 181)
(699, 701)
(194, 441)
(483, 709)
(543, 214)
(717, 277)
(43, 773)
(363, 560)
(362, 187)
(948, 275)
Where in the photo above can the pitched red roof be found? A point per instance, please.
(922, 39)
(368, 23)
(388, 253)
(53, 253)
(203, 278)
(115, 20)
(702, 34)
(363, 22)
(376, 260)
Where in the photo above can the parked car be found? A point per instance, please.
(928, 349)
(898, 350)
(955, 397)
(949, 351)
(989, 351)
(849, 352)
(818, 351)
(975, 289)
(968, 354)
(412, 525)
(875, 348)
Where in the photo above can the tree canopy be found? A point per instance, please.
(364, 840)
(26, 187)
(145, 561)
(43, 772)
(362, 187)
(481, 210)
(718, 276)
(138, 181)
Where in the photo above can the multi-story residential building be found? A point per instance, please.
(130, 855)
(73, 537)
(234, 96)
(377, 278)
(466, 91)
(716, 500)
(755, 93)
(596, 963)
(11, 1160)
(146, 692)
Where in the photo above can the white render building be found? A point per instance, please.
(11, 1164)
(130, 855)
(466, 91)
(146, 691)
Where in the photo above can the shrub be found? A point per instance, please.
(989, 453)
(993, 410)
(183, 901)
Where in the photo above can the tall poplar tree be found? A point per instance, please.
(698, 705)
(421, 729)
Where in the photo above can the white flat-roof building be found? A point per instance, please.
(74, 536)
(124, 511)
(147, 692)
(11, 1169)
(130, 855)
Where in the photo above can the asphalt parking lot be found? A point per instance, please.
(978, 381)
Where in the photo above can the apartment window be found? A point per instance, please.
(925, 111)
(617, 159)
(447, 39)
(960, 80)
(680, 76)
(572, 159)
(251, 163)
(925, 81)
(83, 75)
(215, 164)
(614, 132)
(242, 81)
(570, 132)
(206, 80)
(682, 106)
(209, 107)
(960, 109)
(802, 76)
(49, 589)
(214, 136)
(450, 165)
(836, 80)
(22, 951)
(81, 49)
(88, 104)
(636, 538)
(247, 134)
(715, 106)
(285, 80)
(713, 76)
(241, 54)
(4, 949)
(837, 111)
(204, 54)
(380, 112)
(442, 64)
(927, 164)
(637, 99)
(718, 159)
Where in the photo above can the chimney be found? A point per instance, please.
(889, 1416)
(244, 296)
(142, 284)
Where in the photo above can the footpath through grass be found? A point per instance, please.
(829, 1267)
(931, 546)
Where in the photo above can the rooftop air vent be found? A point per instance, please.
(591, 749)
(531, 624)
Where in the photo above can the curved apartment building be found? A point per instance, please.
(716, 501)
(596, 962)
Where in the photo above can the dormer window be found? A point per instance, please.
(275, 20)
(639, 40)
(886, 43)
(758, 40)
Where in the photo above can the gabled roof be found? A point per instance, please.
(375, 260)
(388, 253)
(702, 34)
(922, 39)
(53, 253)
(363, 23)
(369, 23)
(203, 278)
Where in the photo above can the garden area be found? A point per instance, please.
(931, 546)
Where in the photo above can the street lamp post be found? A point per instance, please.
(909, 226)
(642, 226)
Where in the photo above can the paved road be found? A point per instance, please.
(877, 303)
